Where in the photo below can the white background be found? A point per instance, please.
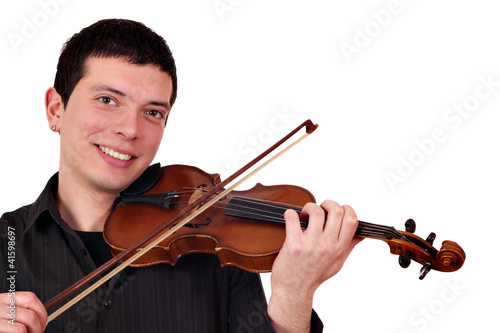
(250, 71)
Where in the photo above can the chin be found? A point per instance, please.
(113, 179)
(113, 182)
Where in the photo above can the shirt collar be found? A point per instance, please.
(46, 202)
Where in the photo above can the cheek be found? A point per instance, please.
(95, 127)
(95, 122)
(86, 119)
(153, 139)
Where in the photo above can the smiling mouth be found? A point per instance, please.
(115, 154)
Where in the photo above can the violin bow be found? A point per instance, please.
(159, 234)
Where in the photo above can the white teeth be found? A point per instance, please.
(115, 154)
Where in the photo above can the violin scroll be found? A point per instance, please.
(451, 256)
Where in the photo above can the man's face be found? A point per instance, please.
(113, 123)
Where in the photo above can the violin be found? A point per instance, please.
(176, 210)
(245, 229)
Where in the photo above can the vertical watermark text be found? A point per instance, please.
(11, 274)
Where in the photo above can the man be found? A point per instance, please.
(115, 86)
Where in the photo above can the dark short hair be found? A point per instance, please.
(116, 38)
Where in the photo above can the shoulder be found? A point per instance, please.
(23, 217)
(16, 219)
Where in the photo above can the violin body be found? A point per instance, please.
(249, 244)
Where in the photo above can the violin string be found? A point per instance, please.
(263, 203)
(257, 213)
(261, 213)
(364, 228)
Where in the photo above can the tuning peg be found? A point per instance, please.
(410, 225)
(424, 270)
(430, 239)
(405, 259)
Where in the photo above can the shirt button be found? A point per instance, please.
(107, 303)
(84, 252)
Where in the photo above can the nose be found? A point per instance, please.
(128, 125)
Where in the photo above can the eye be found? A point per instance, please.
(107, 100)
(155, 114)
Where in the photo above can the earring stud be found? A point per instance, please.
(53, 128)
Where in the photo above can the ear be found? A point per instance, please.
(54, 107)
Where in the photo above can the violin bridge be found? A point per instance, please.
(197, 194)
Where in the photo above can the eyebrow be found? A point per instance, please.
(108, 88)
(122, 94)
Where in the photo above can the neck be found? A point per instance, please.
(82, 206)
